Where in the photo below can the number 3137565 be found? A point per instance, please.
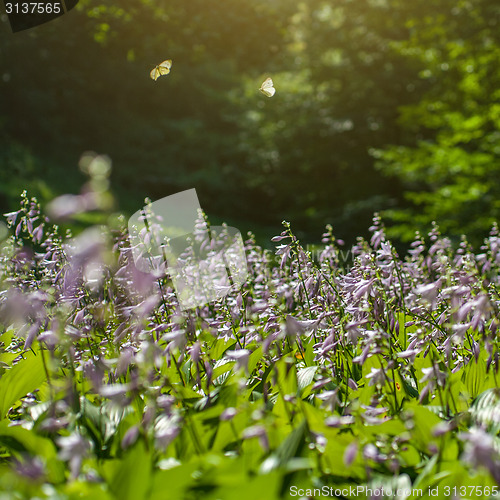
(33, 8)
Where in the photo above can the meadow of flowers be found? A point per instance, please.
(382, 373)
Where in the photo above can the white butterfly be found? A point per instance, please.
(162, 69)
(267, 87)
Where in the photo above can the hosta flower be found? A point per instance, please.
(372, 414)
(433, 374)
(330, 399)
(144, 364)
(228, 414)
(124, 361)
(350, 453)
(480, 450)
(165, 402)
(353, 330)
(443, 428)
(371, 452)
(177, 340)
(130, 437)
(352, 384)
(166, 430)
(241, 357)
(339, 421)
(54, 424)
(363, 288)
(318, 441)
(30, 467)
(408, 354)
(67, 205)
(430, 292)
(376, 376)
(73, 449)
(257, 431)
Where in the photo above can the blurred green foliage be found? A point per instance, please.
(351, 78)
(452, 171)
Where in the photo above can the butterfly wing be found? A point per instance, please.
(155, 73)
(267, 87)
(162, 69)
(268, 92)
(166, 65)
(268, 82)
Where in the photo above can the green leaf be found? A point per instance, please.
(26, 376)
(17, 439)
(186, 392)
(485, 410)
(254, 358)
(424, 422)
(475, 377)
(220, 347)
(263, 487)
(172, 483)
(287, 450)
(305, 379)
(130, 478)
(220, 373)
(309, 352)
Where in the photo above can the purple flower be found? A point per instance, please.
(166, 430)
(228, 414)
(257, 431)
(31, 468)
(480, 450)
(330, 399)
(376, 376)
(130, 437)
(350, 453)
(371, 452)
(73, 449)
(241, 357)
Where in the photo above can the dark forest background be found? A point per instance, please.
(381, 105)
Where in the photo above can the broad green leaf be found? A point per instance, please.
(26, 376)
(287, 450)
(475, 377)
(333, 456)
(408, 388)
(309, 352)
(253, 359)
(424, 422)
(186, 392)
(426, 478)
(220, 373)
(393, 427)
(172, 483)
(287, 377)
(19, 440)
(485, 410)
(130, 478)
(305, 379)
(263, 487)
(80, 489)
(220, 347)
